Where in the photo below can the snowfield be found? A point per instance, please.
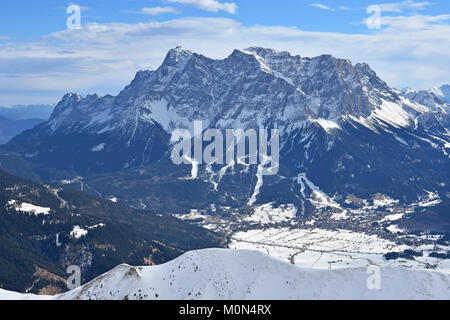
(9, 295)
(220, 274)
(78, 232)
(28, 208)
(331, 249)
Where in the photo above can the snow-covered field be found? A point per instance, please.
(28, 208)
(327, 249)
(219, 274)
(318, 243)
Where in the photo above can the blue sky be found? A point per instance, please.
(40, 59)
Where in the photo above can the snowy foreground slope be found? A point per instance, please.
(240, 274)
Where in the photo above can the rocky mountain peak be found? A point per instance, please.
(67, 102)
(71, 97)
(442, 92)
(356, 88)
(177, 56)
(432, 99)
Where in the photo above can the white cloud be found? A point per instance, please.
(399, 7)
(103, 58)
(321, 6)
(414, 22)
(155, 11)
(209, 5)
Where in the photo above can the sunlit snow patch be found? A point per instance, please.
(99, 148)
(78, 232)
(327, 125)
(393, 217)
(395, 229)
(392, 113)
(29, 208)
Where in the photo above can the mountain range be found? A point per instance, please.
(341, 128)
(24, 112)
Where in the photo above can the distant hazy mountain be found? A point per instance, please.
(241, 275)
(27, 112)
(14, 120)
(10, 128)
(444, 92)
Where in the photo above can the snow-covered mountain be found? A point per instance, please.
(344, 132)
(217, 274)
(255, 87)
(443, 92)
(431, 99)
(436, 119)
